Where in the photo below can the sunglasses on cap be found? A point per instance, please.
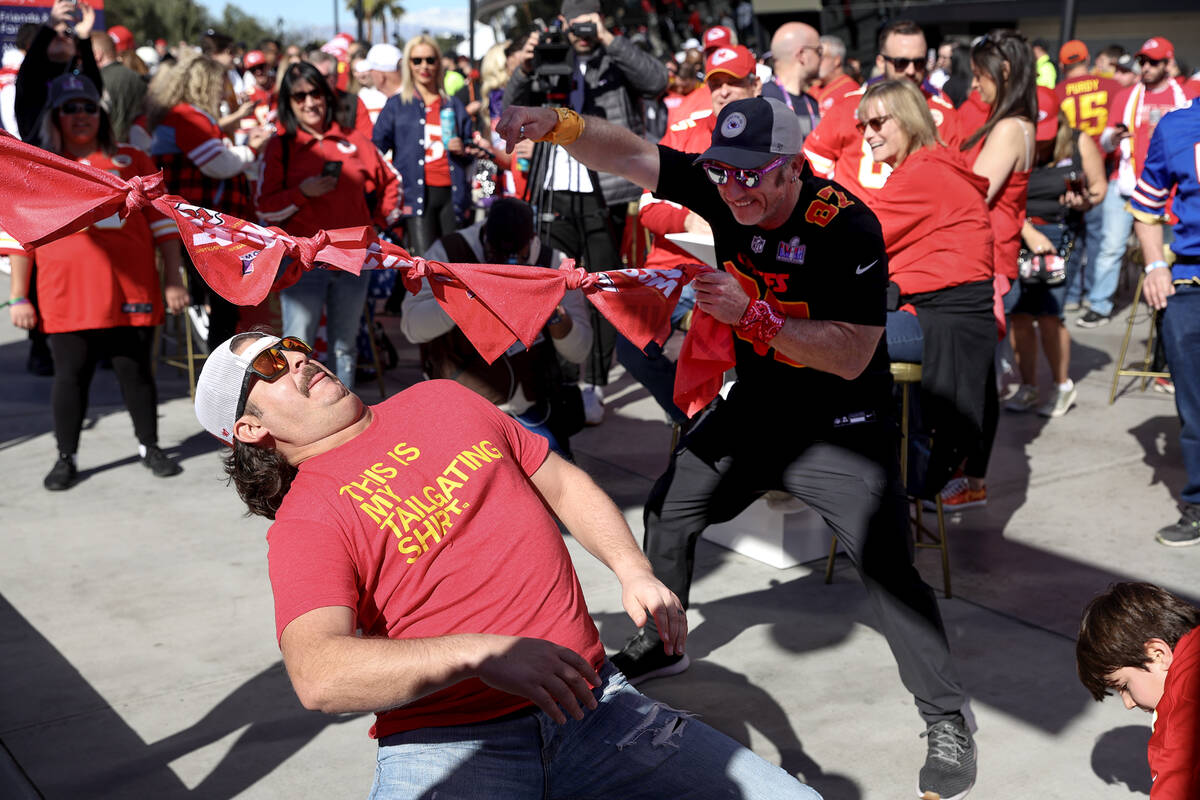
(269, 365)
(419, 60)
(719, 173)
(1146, 61)
(85, 107)
(903, 64)
(875, 123)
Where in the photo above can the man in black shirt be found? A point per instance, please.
(802, 283)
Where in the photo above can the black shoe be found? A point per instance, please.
(160, 463)
(62, 474)
(949, 771)
(1093, 319)
(1185, 532)
(643, 658)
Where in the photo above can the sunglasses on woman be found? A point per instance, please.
(270, 365)
(86, 107)
(418, 61)
(719, 173)
(300, 97)
(875, 123)
(902, 64)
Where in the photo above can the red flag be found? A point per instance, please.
(639, 302)
(44, 196)
(706, 354)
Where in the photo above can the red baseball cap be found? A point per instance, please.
(122, 37)
(1047, 119)
(255, 58)
(1157, 48)
(736, 61)
(717, 36)
(1073, 52)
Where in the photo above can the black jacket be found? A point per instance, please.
(36, 73)
(616, 79)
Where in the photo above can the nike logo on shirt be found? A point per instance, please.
(862, 269)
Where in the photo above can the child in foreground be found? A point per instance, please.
(1143, 643)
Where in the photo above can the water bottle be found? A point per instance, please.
(523, 164)
(448, 132)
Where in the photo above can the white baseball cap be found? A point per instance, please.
(383, 57)
(219, 387)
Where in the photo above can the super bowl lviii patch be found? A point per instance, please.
(791, 251)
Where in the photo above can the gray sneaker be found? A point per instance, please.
(949, 771)
(1026, 399)
(1185, 532)
(1061, 403)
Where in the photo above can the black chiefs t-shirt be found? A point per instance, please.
(827, 262)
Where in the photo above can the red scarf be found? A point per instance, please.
(44, 197)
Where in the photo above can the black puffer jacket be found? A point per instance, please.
(617, 78)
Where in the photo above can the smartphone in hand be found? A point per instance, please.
(332, 169)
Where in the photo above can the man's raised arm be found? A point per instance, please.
(601, 146)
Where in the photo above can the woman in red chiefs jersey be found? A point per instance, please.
(935, 225)
(197, 161)
(99, 294)
(319, 175)
(1001, 150)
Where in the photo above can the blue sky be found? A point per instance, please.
(306, 15)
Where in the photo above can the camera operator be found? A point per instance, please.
(608, 76)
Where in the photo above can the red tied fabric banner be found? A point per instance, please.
(45, 197)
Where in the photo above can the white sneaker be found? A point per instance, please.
(1025, 399)
(593, 405)
(1062, 402)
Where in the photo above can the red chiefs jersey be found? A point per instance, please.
(696, 102)
(661, 217)
(1087, 101)
(835, 90)
(934, 215)
(1139, 109)
(105, 275)
(836, 149)
(363, 172)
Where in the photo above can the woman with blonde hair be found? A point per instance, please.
(933, 212)
(197, 161)
(429, 155)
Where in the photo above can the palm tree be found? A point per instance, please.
(386, 8)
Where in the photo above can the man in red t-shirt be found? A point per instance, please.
(418, 573)
(1132, 118)
(838, 151)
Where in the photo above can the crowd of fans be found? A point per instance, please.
(347, 134)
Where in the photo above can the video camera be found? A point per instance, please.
(552, 69)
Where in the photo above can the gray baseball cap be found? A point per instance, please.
(751, 132)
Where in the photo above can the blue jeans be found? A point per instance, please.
(905, 342)
(629, 747)
(342, 295)
(1181, 339)
(1118, 223)
(1079, 277)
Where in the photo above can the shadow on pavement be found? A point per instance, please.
(1120, 757)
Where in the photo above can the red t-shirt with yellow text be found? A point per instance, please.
(425, 525)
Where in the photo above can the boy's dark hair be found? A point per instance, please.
(1117, 624)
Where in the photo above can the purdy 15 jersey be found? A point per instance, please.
(1087, 102)
(1173, 163)
(836, 149)
(827, 262)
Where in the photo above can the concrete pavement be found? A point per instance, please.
(138, 646)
